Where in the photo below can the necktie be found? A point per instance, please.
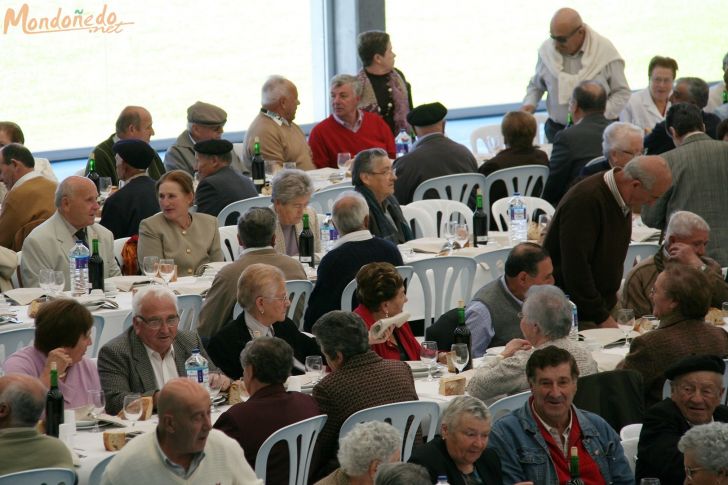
(80, 235)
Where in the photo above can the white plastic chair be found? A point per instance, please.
(630, 451)
(229, 242)
(420, 221)
(127, 321)
(323, 200)
(446, 271)
(499, 210)
(494, 263)
(45, 476)
(301, 438)
(118, 246)
(240, 206)
(189, 311)
(451, 187)
(98, 470)
(442, 211)
(636, 252)
(630, 431)
(297, 289)
(15, 278)
(238, 149)
(540, 137)
(491, 138)
(504, 406)
(521, 179)
(96, 330)
(398, 415)
(13, 340)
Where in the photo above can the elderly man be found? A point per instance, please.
(204, 122)
(359, 379)
(355, 247)
(256, 235)
(348, 129)
(184, 448)
(686, 237)
(12, 133)
(433, 155)
(48, 245)
(150, 353)
(545, 321)
(700, 168)
(281, 140)
(492, 314)
(621, 142)
(220, 185)
(574, 53)
(696, 385)
(577, 144)
(534, 441)
(22, 401)
(267, 362)
(591, 230)
(29, 201)
(137, 199)
(133, 123)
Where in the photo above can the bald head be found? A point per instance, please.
(350, 212)
(567, 18)
(644, 180)
(22, 399)
(177, 395)
(134, 122)
(567, 31)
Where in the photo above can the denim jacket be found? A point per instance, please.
(524, 454)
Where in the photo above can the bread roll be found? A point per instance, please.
(452, 385)
(114, 440)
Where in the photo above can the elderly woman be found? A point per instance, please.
(459, 451)
(381, 294)
(62, 335)
(680, 299)
(373, 177)
(647, 107)
(402, 474)
(291, 191)
(545, 321)
(385, 90)
(362, 450)
(705, 449)
(263, 297)
(191, 239)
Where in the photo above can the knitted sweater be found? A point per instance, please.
(329, 138)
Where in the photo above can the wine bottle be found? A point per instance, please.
(92, 174)
(480, 222)
(305, 244)
(462, 334)
(258, 167)
(96, 267)
(574, 468)
(725, 96)
(54, 404)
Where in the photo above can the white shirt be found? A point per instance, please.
(165, 369)
(363, 235)
(612, 184)
(256, 328)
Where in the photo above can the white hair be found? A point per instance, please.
(709, 444)
(366, 442)
(684, 224)
(616, 134)
(151, 292)
(274, 88)
(349, 217)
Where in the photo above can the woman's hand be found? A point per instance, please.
(63, 361)
(387, 334)
(514, 346)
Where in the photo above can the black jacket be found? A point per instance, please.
(435, 458)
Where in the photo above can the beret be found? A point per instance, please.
(426, 114)
(206, 114)
(695, 363)
(136, 153)
(213, 147)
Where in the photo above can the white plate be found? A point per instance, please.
(494, 350)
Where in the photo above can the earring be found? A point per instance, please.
(386, 314)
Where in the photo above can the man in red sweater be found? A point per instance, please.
(348, 129)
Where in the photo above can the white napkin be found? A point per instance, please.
(381, 326)
(23, 296)
(126, 283)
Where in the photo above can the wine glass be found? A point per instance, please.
(315, 367)
(460, 356)
(625, 320)
(133, 407)
(97, 401)
(104, 187)
(462, 236)
(45, 281)
(166, 270)
(150, 266)
(59, 282)
(214, 382)
(448, 231)
(650, 481)
(343, 160)
(428, 355)
(725, 312)
(270, 168)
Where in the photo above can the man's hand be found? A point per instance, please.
(528, 108)
(609, 323)
(514, 346)
(684, 254)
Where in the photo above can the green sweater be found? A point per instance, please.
(106, 162)
(25, 449)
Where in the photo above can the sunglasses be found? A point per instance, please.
(563, 39)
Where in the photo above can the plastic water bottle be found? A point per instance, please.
(574, 331)
(402, 143)
(518, 219)
(442, 480)
(333, 232)
(325, 231)
(78, 269)
(197, 369)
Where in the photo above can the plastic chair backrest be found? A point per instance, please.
(630, 451)
(420, 221)
(46, 476)
(127, 321)
(118, 246)
(98, 470)
(504, 406)
(451, 187)
(322, 201)
(406, 416)
(240, 206)
(442, 211)
(499, 210)
(523, 179)
(301, 438)
(97, 330)
(491, 138)
(630, 431)
(493, 262)
(13, 340)
(15, 278)
(348, 295)
(636, 252)
(446, 272)
(229, 242)
(297, 289)
(238, 149)
(189, 311)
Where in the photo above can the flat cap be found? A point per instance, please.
(206, 114)
(136, 153)
(695, 363)
(213, 147)
(427, 114)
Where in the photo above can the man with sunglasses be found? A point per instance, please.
(574, 53)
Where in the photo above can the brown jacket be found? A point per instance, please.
(25, 207)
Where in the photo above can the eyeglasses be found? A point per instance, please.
(689, 471)
(633, 154)
(155, 323)
(279, 298)
(388, 172)
(563, 39)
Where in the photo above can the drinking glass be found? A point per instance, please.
(343, 160)
(315, 367)
(104, 186)
(97, 401)
(45, 281)
(214, 382)
(428, 355)
(460, 356)
(462, 236)
(270, 167)
(150, 266)
(725, 312)
(133, 407)
(166, 270)
(289, 165)
(59, 282)
(625, 320)
(650, 481)
(449, 232)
